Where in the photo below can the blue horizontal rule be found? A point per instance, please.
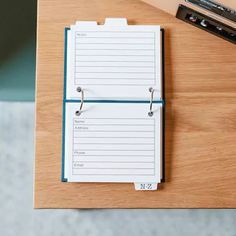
(111, 101)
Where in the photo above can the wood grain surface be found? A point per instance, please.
(200, 89)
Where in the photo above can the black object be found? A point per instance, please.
(207, 23)
(216, 8)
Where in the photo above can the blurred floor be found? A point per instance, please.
(16, 193)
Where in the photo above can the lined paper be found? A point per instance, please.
(109, 62)
(114, 142)
(118, 58)
(120, 145)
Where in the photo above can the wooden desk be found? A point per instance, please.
(200, 113)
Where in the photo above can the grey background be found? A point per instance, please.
(16, 193)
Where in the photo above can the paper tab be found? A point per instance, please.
(145, 186)
(116, 21)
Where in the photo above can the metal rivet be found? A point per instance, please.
(150, 113)
(77, 113)
(150, 89)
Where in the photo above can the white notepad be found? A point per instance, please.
(111, 132)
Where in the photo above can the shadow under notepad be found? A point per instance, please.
(169, 121)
